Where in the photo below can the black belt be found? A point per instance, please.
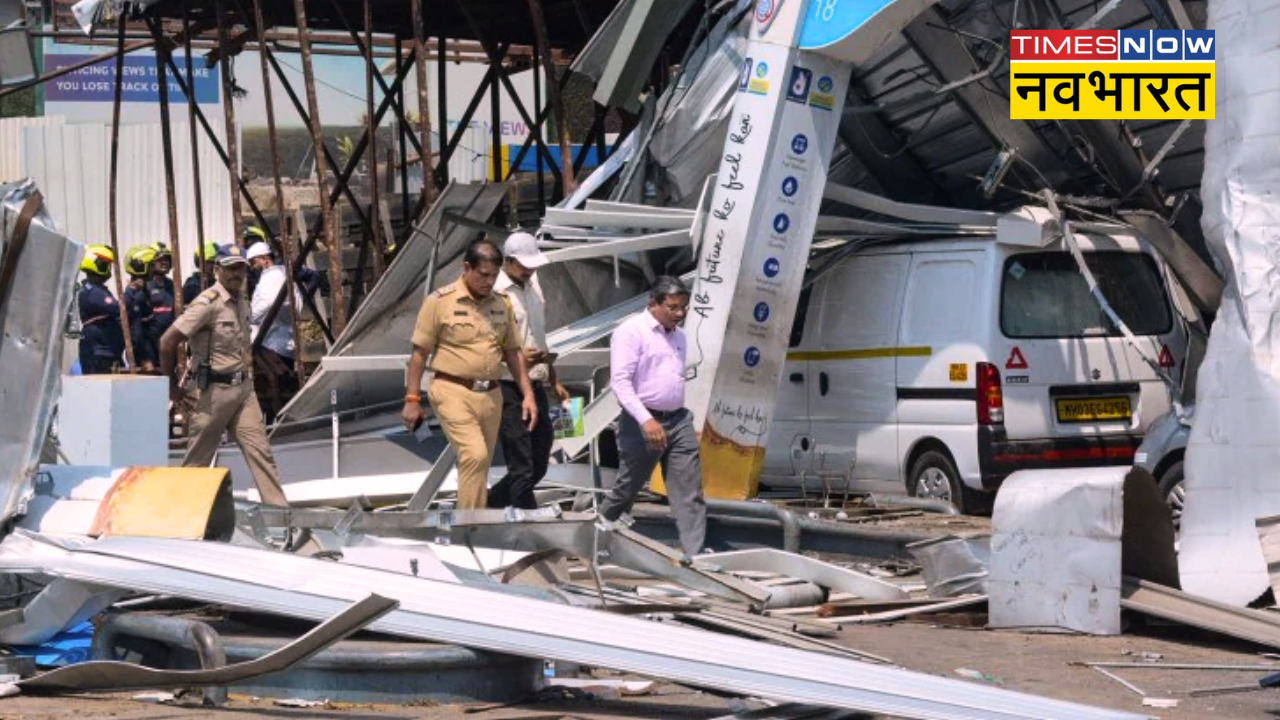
(664, 414)
(234, 378)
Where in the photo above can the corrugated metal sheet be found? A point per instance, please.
(11, 143)
(72, 165)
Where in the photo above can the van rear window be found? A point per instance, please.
(1043, 295)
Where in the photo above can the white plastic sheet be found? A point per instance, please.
(1233, 457)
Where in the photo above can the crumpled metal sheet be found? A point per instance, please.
(1233, 455)
(110, 675)
(690, 138)
(31, 342)
(1055, 550)
(954, 566)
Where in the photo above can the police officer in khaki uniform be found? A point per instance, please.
(215, 327)
(470, 329)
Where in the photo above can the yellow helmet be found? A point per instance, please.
(160, 250)
(98, 260)
(209, 252)
(137, 262)
(253, 234)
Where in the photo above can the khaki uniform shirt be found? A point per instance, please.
(467, 336)
(531, 319)
(217, 326)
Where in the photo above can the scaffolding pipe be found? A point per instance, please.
(163, 52)
(442, 105)
(424, 105)
(229, 117)
(557, 99)
(206, 265)
(286, 238)
(337, 314)
(115, 173)
(402, 129)
(371, 71)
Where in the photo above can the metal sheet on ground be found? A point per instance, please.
(292, 586)
(1163, 602)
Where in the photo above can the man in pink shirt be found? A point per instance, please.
(647, 357)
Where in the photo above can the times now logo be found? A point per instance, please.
(1097, 45)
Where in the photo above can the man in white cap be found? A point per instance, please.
(274, 379)
(526, 451)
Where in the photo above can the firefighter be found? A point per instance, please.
(101, 340)
(137, 263)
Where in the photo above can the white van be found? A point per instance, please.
(942, 366)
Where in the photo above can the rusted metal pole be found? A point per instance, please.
(553, 90)
(371, 70)
(171, 194)
(286, 238)
(537, 129)
(403, 130)
(442, 101)
(229, 117)
(206, 267)
(337, 319)
(424, 105)
(115, 173)
(55, 74)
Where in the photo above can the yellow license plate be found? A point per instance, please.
(1093, 409)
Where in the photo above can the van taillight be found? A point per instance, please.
(990, 396)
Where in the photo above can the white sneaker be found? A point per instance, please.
(625, 520)
(604, 524)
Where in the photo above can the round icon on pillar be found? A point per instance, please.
(772, 267)
(799, 144)
(781, 222)
(752, 356)
(761, 312)
(764, 10)
(790, 185)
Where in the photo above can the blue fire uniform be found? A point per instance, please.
(161, 296)
(101, 340)
(138, 304)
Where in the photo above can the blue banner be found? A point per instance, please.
(140, 81)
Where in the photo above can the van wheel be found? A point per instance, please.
(933, 476)
(1174, 493)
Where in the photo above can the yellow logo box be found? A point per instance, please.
(1141, 90)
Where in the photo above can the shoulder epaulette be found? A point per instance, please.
(446, 290)
(209, 295)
